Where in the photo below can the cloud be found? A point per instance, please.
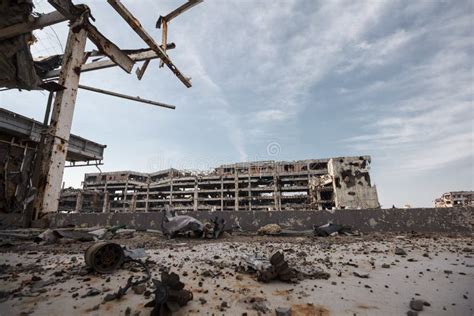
(431, 123)
(271, 115)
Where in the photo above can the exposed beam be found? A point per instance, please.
(101, 64)
(164, 40)
(163, 21)
(69, 9)
(37, 23)
(110, 49)
(141, 71)
(188, 5)
(73, 12)
(124, 96)
(136, 26)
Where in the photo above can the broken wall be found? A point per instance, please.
(16, 167)
(450, 220)
(351, 183)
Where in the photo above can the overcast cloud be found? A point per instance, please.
(289, 80)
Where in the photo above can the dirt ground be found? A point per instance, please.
(50, 279)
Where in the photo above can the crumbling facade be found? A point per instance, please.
(318, 184)
(455, 198)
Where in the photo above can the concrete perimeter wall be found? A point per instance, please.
(459, 220)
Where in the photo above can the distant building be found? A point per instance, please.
(316, 184)
(456, 198)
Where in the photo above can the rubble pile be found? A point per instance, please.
(147, 273)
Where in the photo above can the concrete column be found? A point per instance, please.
(250, 191)
(195, 198)
(106, 206)
(124, 202)
(147, 193)
(171, 192)
(222, 193)
(236, 186)
(79, 202)
(133, 203)
(53, 150)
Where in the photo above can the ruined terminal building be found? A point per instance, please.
(455, 198)
(319, 184)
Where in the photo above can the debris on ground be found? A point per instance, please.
(277, 268)
(283, 311)
(417, 305)
(331, 229)
(57, 278)
(184, 225)
(361, 275)
(400, 251)
(269, 229)
(170, 295)
(104, 257)
(53, 235)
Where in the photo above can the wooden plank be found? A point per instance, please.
(136, 26)
(37, 23)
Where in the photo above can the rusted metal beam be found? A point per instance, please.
(141, 71)
(68, 9)
(164, 39)
(124, 96)
(109, 49)
(136, 26)
(188, 5)
(37, 23)
(101, 64)
(73, 12)
(163, 21)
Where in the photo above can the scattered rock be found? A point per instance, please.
(92, 292)
(223, 306)
(261, 306)
(35, 278)
(385, 266)
(139, 288)
(270, 229)
(416, 305)
(110, 297)
(412, 313)
(400, 252)
(361, 275)
(283, 311)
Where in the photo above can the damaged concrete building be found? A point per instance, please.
(319, 184)
(19, 138)
(455, 198)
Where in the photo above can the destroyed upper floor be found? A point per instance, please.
(319, 184)
(455, 198)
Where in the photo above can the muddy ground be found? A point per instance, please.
(41, 279)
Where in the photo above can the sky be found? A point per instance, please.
(287, 80)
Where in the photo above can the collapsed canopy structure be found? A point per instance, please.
(19, 70)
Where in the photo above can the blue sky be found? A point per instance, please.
(288, 80)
